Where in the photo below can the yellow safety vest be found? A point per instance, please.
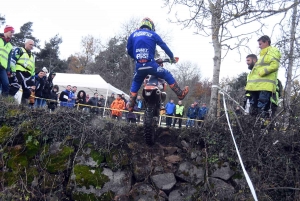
(26, 63)
(179, 109)
(4, 52)
(263, 76)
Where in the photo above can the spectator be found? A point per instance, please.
(5, 52)
(170, 109)
(94, 101)
(110, 100)
(131, 117)
(65, 98)
(179, 112)
(23, 70)
(101, 104)
(139, 103)
(39, 87)
(191, 114)
(73, 95)
(251, 59)
(202, 113)
(81, 99)
(52, 104)
(262, 79)
(116, 106)
(48, 85)
(87, 98)
(124, 99)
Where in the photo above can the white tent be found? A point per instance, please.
(89, 83)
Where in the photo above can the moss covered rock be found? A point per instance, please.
(88, 176)
(59, 159)
(5, 133)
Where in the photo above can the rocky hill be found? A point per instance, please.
(69, 155)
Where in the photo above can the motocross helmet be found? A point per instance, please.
(147, 23)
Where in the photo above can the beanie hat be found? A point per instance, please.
(9, 28)
(45, 70)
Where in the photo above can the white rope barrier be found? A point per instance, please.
(249, 182)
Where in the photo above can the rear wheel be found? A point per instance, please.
(150, 126)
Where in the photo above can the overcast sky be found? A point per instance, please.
(72, 19)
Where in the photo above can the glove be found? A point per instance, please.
(173, 61)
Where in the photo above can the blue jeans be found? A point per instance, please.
(38, 103)
(261, 99)
(169, 120)
(150, 68)
(190, 122)
(4, 81)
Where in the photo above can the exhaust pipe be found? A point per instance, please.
(158, 92)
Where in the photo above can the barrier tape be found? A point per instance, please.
(107, 108)
(249, 182)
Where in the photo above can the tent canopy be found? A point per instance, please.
(89, 83)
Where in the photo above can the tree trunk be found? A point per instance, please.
(288, 87)
(215, 23)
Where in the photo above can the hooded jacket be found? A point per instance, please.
(48, 87)
(263, 76)
(81, 100)
(117, 104)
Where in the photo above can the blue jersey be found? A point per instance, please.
(142, 43)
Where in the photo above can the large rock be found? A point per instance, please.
(120, 181)
(190, 173)
(224, 172)
(183, 193)
(164, 181)
(141, 167)
(144, 192)
(221, 189)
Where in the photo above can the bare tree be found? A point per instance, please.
(185, 73)
(290, 47)
(215, 18)
(91, 47)
(2, 20)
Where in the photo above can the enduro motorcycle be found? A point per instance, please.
(154, 96)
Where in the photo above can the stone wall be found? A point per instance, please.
(68, 155)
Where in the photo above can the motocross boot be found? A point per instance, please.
(132, 102)
(179, 92)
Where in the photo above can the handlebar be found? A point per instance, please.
(160, 61)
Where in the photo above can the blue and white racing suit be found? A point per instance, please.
(141, 47)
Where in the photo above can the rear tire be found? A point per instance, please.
(149, 126)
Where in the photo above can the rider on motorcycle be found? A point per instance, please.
(141, 47)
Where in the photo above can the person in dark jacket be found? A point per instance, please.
(202, 113)
(65, 98)
(39, 87)
(101, 104)
(131, 117)
(110, 100)
(48, 85)
(191, 114)
(170, 110)
(52, 104)
(81, 99)
(94, 101)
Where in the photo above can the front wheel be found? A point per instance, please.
(150, 126)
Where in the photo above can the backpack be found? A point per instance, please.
(279, 88)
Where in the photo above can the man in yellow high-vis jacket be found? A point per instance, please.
(23, 70)
(5, 52)
(262, 80)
